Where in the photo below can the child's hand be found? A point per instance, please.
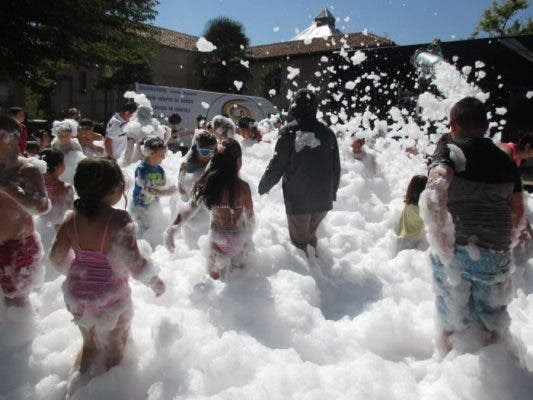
(157, 285)
(169, 238)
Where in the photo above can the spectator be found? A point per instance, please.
(116, 140)
(19, 115)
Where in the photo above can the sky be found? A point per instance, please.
(269, 21)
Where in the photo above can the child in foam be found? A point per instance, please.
(65, 132)
(138, 129)
(96, 289)
(410, 227)
(229, 200)
(92, 143)
(150, 182)
(61, 194)
(196, 160)
(22, 193)
(362, 154)
(223, 127)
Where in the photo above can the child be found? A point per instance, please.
(65, 141)
(32, 148)
(96, 288)
(195, 161)
(361, 154)
(22, 193)
(150, 182)
(138, 129)
(223, 127)
(229, 200)
(87, 138)
(61, 194)
(410, 227)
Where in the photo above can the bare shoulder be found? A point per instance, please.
(121, 218)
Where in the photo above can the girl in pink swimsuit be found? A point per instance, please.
(105, 251)
(229, 201)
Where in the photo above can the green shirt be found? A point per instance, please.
(410, 225)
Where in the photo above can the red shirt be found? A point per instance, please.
(23, 138)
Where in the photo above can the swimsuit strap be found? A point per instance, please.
(105, 231)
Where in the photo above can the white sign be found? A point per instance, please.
(190, 103)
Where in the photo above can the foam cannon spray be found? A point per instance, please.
(426, 59)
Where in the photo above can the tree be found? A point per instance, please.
(41, 38)
(221, 67)
(498, 19)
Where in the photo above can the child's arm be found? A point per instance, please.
(61, 255)
(248, 205)
(32, 193)
(162, 190)
(181, 178)
(125, 252)
(129, 151)
(184, 215)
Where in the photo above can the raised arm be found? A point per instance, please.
(438, 222)
(32, 192)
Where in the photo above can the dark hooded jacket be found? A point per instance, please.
(307, 157)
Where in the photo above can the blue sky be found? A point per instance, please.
(404, 21)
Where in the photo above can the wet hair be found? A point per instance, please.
(8, 124)
(221, 174)
(130, 107)
(470, 114)
(154, 143)
(52, 157)
(200, 117)
(416, 186)
(95, 179)
(245, 123)
(220, 121)
(202, 138)
(174, 119)
(87, 122)
(32, 146)
(525, 139)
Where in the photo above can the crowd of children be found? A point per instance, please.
(95, 244)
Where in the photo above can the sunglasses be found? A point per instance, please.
(206, 152)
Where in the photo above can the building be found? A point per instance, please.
(173, 64)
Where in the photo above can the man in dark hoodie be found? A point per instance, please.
(307, 157)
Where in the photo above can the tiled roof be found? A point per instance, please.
(319, 45)
(174, 39)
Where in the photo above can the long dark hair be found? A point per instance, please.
(53, 159)
(415, 188)
(221, 173)
(94, 179)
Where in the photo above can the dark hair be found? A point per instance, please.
(154, 143)
(32, 145)
(8, 124)
(52, 157)
(73, 112)
(94, 179)
(200, 117)
(222, 173)
(15, 110)
(202, 138)
(86, 122)
(525, 139)
(245, 122)
(416, 186)
(470, 114)
(174, 119)
(130, 107)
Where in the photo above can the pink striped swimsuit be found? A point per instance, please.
(91, 281)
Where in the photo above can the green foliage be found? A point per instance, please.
(41, 38)
(498, 20)
(219, 68)
(270, 79)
